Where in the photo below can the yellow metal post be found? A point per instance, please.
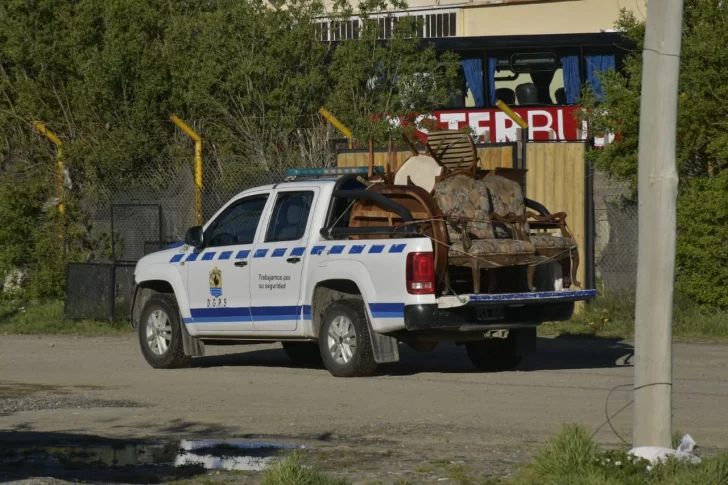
(511, 114)
(59, 161)
(198, 165)
(524, 127)
(337, 124)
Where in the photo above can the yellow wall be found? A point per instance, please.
(524, 17)
(564, 17)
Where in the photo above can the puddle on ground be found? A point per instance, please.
(243, 455)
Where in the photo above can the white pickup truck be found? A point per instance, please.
(277, 264)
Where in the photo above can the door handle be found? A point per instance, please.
(240, 264)
(293, 260)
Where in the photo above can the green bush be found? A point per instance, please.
(36, 239)
(702, 251)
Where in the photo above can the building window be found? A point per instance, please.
(434, 24)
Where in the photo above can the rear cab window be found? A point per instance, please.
(290, 216)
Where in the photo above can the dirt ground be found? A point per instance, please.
(424, 420)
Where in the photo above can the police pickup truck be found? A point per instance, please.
(277, 263)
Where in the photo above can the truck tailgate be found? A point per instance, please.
(513, 299)
(507, 310)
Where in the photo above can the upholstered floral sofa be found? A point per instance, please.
(488, 226)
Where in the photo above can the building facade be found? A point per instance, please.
(455, 18)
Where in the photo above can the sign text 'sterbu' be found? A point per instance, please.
(545, 123)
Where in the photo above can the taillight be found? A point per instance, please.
(420, 274)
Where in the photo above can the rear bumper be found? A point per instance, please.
(518, 310)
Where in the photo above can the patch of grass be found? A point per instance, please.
(292, 471)
(572, 457)
(608, 316)
(38, 318)
(612, 315)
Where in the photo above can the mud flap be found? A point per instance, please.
(384, 347)
(525, 341)
(133, 314)
(192, 347)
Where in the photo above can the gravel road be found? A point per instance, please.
(430, 408)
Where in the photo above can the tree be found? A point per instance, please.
(105, 75)
(702, 147)
(377, 84)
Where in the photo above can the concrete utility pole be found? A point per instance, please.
(657, 225)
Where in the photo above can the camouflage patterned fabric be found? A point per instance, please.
(462, 196)
(494, 247)
(548, 241)
(506, 197)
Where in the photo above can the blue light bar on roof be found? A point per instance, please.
(322, 172)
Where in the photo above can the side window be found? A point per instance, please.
(290, 216)
(237, 225)
(536, 79)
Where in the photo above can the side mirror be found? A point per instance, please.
(194, 237)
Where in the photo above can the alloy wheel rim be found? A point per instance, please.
(342, 339)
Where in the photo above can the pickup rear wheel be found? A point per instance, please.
(494, 355)
(304, 353)
(160, 334)
(346, 347)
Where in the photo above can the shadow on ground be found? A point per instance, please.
(559, 353)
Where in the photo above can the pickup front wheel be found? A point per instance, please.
(160, 334)
(346, 346)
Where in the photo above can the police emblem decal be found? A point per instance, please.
(216, 282)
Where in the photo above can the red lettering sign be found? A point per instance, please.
(493, 125)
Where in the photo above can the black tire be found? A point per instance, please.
(303, 353)
(173, 357)
(361, 362)
(493, 355)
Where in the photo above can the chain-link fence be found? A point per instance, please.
(90, 291)
(155, 206)
(134, 227)
(616, 225)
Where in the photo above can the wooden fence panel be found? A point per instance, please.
(361, 158)
(497, 156)
(490, 157)
(556, 178)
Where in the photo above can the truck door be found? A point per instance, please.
(218, 276)
(276, 267)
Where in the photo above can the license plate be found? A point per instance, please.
(489, 313)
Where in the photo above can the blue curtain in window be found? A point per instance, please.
(572, 82)
(595, 65)
(492, 64)
(473, 69)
